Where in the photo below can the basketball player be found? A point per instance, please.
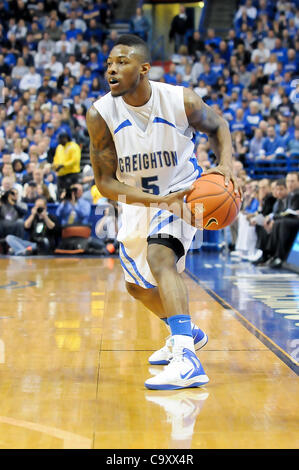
(142, 151)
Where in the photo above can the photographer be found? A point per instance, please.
(73, 209)
(43, 230)
(11, 214)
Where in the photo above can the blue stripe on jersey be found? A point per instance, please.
(147, 284)
(163, 121)
(195, 164)
(122, 125)
(162, 224)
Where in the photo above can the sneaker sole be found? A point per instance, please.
(200, 344)
(201, 380)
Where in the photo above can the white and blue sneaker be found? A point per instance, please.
(163, 356)
(183, 371)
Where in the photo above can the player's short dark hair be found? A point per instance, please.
(132, 40)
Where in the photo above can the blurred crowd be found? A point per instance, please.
(52, 63)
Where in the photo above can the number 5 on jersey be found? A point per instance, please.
(148, 186)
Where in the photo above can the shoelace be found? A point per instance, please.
(177, 355)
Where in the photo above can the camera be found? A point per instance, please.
(4, 194)
(69, 192)
(39, 210)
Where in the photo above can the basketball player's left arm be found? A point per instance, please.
(204, 119)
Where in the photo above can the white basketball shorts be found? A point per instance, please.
(137, 224)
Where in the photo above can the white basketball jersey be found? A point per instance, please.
(159, 159)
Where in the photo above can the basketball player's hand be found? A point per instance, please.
(227, 172)
(175, 203)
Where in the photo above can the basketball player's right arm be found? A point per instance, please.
(103, 158)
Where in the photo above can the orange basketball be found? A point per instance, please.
(220, 204)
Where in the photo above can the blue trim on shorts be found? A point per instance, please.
(147, 284)
(162, 224)
(126, 269)
(157, 215)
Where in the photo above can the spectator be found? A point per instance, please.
(11, 212)
(140, 25)
(18, 152)
(266, 203)
(30, 80)
(170, 76)
(73, 209)
(271, 145)
(67, 161)
(285, 226)
(246, 239)
(252, 118)
(74, 66)
(256, 144)
(20, 69)
(293, 146)
(280, 205)
(42, 58)
(178, 28)
(43, 232)
(54, 66)
(196, 45)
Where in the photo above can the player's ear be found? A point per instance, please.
(144, 68)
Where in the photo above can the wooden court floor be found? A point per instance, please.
(73, 360)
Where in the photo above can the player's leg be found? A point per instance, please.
(151, 299)
(185, 369)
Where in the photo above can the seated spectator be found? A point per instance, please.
(261, 52)
(256, 219)
(201, 90)
(237, 124)
(240, 145)
(256, 144)
(196, 45)
(43, 231)
(30, 80)
(54, 66)
(64, 46)
(46, 44)
(11, 212)
(19, 169)
(280, 194)
(20, 69)
(271, 145)
(73, 208)
(74, 66)
(18, 152)
(293, 146)
(30, 193)
(252, 118)
(212, 39)
(42, 58)
(170, 76)
(271, 65)
(209, 77)
(285, 226)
